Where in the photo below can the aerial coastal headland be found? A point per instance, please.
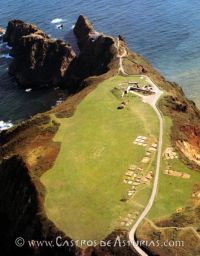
(118, 158)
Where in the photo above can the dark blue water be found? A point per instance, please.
(166, 32)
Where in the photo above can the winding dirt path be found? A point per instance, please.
(121, 56)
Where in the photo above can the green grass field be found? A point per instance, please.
(85, 185)
(173, 192)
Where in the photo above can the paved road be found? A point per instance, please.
(152, 100)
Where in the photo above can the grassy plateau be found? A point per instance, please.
(85, 186)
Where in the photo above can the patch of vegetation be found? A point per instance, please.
(117, 92)
(32, 141)
(64, 114)
(183, 242)
(38, 120)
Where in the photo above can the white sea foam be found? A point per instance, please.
(28, 90)
(72, 27)
(59, 26)
(5, 125)
(3, 33)
(8, 47)
(57, 20)
(58, 102)
(6, 56)
(3, 45)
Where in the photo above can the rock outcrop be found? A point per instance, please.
(16, 29)
(37, 60)
(192, 133)
(84, 30)
(189, 145)
(97, 51)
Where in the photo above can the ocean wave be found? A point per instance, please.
(3, 44)
(72, 27)
(5, 125)
(8, 47)
(3, 33)
(58, 102)
(57, 20)
(6, 56)
(28, 90)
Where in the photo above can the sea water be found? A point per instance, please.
(167, 33)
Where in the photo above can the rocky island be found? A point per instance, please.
(41, 61)
(86, 168)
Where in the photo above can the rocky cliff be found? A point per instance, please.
(16, 29)
(38, 61)
(84, 30)
(97, 51)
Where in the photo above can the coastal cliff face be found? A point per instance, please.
(185, 130)
(38, 61)
(190, 146)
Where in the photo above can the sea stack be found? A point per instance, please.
(97, 50)
(83, 30)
